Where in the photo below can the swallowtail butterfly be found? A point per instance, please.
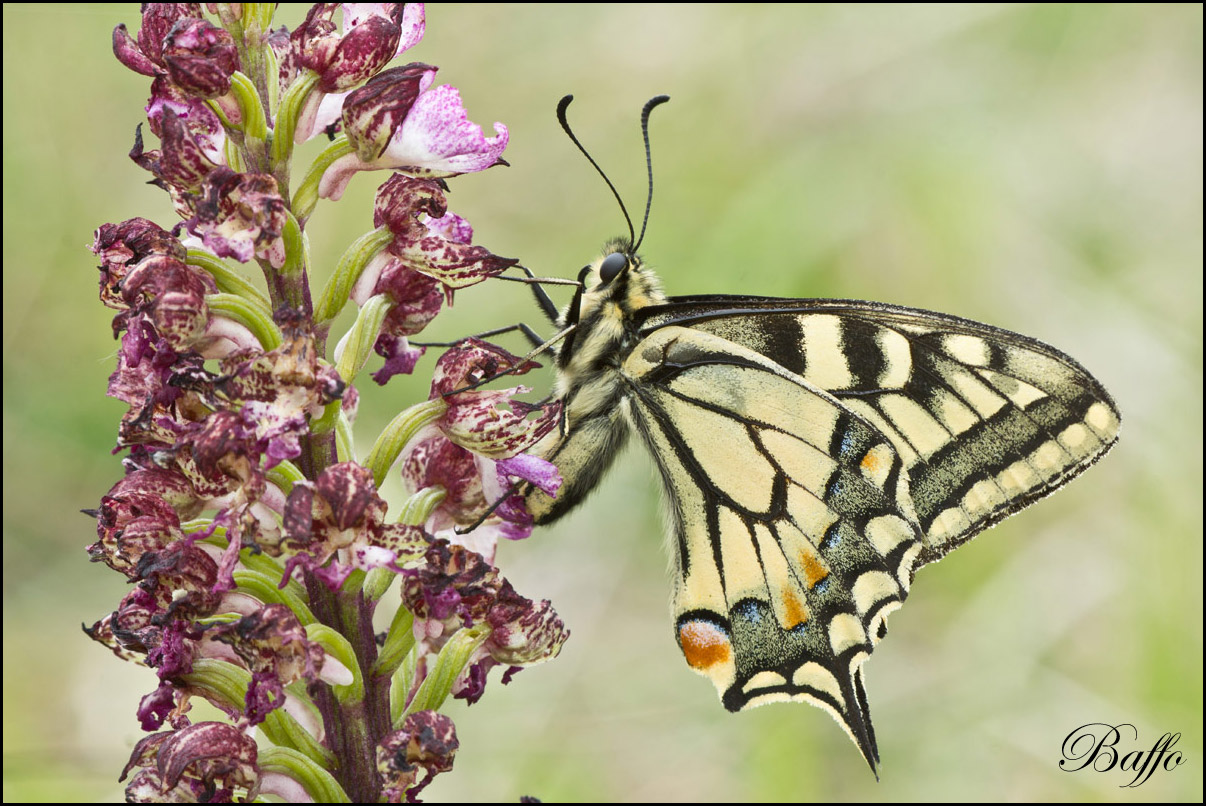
(814, 454)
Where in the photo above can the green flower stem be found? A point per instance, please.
(198, 525)
(448, 666)
(233, 150)
(306, 197)
(219, 618)
(399, 641)
(255, 120)
(320, 784)
(297, 251)
(283, 730)
(264, 588)
(227, 279)
(249, 24)
(393, 439)
(358, 344)
(234, 130)
(228, 684)
(351, 265)
(351, 586)
(289, 285)
(328, 420)
(261, 564)
(345, 443)
(248, 314)
(256, 21)
(270, 568)
(258, 17)
(286, 117)
(418, 508)
(285, 475)
(341, 649)
(221, 680)
(272, 73)
(377, 582)
(401, 683)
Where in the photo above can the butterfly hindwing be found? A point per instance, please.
(791, 546)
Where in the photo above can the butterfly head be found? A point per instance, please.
(618, 283)
(600, 317)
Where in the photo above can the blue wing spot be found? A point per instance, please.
(849, 444)
(746, 610)
(833, 538)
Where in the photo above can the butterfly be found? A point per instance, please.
(814, 454)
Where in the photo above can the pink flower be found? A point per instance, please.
(395, 122)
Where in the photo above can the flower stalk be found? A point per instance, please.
(259, 548)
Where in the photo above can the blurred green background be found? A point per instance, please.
(1036, 167)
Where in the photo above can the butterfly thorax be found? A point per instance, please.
(590, 384)
(602, 315)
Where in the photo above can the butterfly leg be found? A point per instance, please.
(528, 333)
(547, 306)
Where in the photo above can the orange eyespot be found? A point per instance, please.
(704, 644)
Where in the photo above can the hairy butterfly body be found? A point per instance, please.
(814, 454)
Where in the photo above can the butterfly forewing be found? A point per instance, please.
(986, 421)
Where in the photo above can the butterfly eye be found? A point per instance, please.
(611, 266)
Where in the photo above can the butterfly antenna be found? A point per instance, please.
(650, 105)
(562, 105)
